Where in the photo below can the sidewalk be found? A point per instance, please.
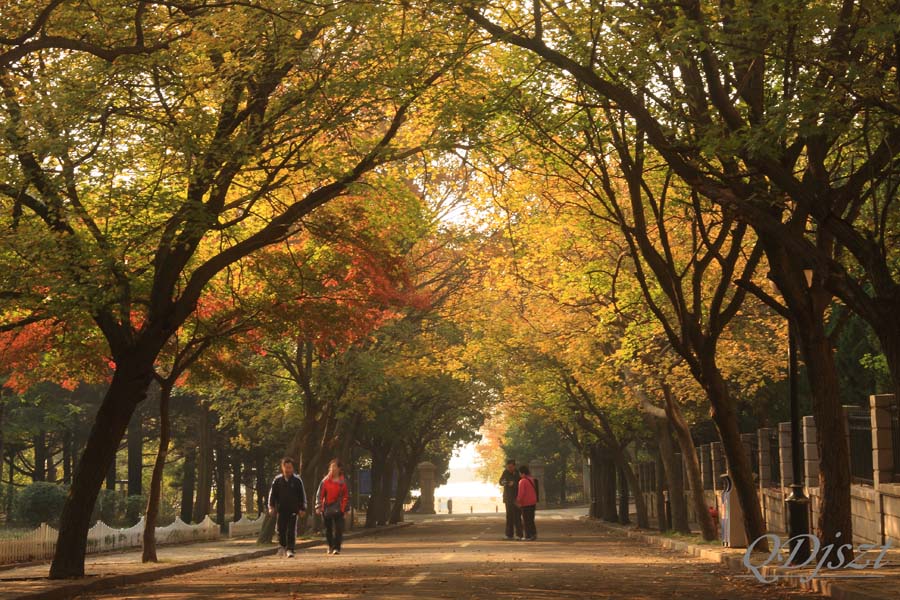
(868, 584)
(105, 571)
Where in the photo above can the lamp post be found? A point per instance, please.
(797, 504)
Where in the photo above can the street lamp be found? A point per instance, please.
(797, 503)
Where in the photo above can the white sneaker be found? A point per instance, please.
(336, 552)
(290, 554)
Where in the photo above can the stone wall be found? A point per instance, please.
(876, 507)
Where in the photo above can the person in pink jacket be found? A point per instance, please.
(527, 500)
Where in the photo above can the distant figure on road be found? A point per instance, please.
(509, 481)
(287, 497)
(527, 500)
(449, 506)
(331, 502)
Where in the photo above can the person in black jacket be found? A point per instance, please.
(509, 481)
(287, 497)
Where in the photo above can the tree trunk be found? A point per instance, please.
(111, 474)
(150, 519)
(660, 472)
(640, 506)
(188, 480)
(40, 457)
(596, 483)
(127, 389)
(249, 486)
(204, 467)
(807, 303)
(135, 454)
(673, 469)
(624, 501)
(9, 483)
(564, 455)
(221, 480)
(739, 466)
(379, 466)
(686, 442)
(67, 456)
(834, 525)
(267, 530)
(236, 475)
(888, 333)
(383, 505)
(404, 482)
(607, 485)
(262, 490)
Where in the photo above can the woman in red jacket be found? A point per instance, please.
(527, 501)
(331, 502)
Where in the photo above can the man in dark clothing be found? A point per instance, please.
(509, 481)
(287, 497)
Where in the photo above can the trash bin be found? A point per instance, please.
(731, 517)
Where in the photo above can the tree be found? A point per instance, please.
(738, 103)
(193, 157)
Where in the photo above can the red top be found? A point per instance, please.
(527, 492)
(331, 490)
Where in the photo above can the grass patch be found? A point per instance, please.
(691, 538)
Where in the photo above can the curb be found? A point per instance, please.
(825, 586)
(70, 590)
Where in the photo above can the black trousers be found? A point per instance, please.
(513, 520)
(287, 530)
(528, 517)
(334, 531)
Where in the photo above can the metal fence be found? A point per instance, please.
(754, 454)
(41, 543)
(859, 424)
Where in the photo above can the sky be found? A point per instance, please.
(465, 457)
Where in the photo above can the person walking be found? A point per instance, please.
(527, 500)
(332, 498)
(287, 498)
(509, 481)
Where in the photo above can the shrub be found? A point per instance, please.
(134, 509)
(107, 507)
(40, 502)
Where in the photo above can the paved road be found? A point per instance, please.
(467, 558)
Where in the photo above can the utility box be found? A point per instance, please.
(731, 516)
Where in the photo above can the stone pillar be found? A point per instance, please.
(719, 467)
(763, 436)
(426, 485)
(537, 471)
(706, 467)
(784, 453)
(883, 466)
(810, 452)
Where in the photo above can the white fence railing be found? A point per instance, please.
(41, 543)
(246, 526)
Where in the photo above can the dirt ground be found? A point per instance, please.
(468, 558)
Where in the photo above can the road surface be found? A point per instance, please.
(466, 557)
